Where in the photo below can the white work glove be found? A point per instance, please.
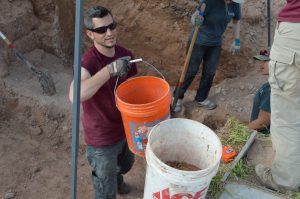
(235, 46)
(119, 67)
(197, 20)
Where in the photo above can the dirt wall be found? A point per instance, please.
(57, 33)
(154, 30)
(158, 32)
(38, 24)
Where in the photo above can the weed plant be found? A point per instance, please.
(234, 134)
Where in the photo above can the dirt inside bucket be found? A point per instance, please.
(182, 166)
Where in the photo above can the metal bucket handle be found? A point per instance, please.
(134, 61)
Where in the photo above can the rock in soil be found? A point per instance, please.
(9, 195)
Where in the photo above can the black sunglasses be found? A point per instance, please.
(103, 29)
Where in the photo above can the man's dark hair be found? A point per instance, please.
(94, 12)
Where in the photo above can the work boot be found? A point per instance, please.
(264, 175)
(207, 104)
(124, 188)
(178, 106)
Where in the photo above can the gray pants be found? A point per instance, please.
(284, 79)
(108, 164)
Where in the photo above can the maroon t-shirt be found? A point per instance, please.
(290, 12)
(102, 122)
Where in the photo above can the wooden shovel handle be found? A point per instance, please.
(188, 57)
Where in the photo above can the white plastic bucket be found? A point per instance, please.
(181, 140)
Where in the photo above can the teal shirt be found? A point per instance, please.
(216, 19)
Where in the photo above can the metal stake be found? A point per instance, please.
(269, 22)
(76, 96)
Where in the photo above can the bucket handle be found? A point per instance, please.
(147, 63)
(134, 61)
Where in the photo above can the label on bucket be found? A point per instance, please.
(140, 131)
(165, 194)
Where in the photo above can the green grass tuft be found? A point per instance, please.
(234, 134)
(237, 133)
(241, 170)
(216, 187)
(295, 195)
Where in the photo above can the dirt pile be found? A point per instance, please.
(182, 166)
(34, 141)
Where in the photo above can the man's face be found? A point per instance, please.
(264, 66)
(107, 39)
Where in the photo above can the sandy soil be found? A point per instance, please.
(35, 129)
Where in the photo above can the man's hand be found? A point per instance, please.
(198, 17)
(198, 20)
(119, 67)
(236, 46)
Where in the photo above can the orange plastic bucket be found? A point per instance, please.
(143, 103)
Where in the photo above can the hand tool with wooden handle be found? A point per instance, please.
(44, 78)
(187, 60)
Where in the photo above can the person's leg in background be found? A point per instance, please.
(193, 68)
(210, 64)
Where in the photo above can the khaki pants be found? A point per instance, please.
(284, 79)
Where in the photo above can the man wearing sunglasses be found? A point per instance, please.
(104, 65)
(261, 109)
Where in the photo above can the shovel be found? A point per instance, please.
(44, 78)
(186, 62)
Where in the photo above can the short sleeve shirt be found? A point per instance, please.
(290, 12)
(101, 120)
(216, 18)
(261, 101)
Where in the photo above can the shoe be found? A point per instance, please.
(124, 188)
(208, 104)
(264, 175)
(178, 106)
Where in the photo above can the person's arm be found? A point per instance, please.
(263, 120)
(236, 44)
(236, 28)
(90, 84)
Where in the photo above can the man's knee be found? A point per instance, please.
(105, 184)
(209, 76)
(192, 71)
